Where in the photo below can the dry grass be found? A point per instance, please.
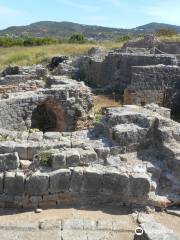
(102, 101)
(175, 38)
(35, 55)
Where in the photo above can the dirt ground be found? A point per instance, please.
(168, 220)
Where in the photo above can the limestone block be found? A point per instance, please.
(14, 183)
(37, 184)
(21, 148)
(50, 224)
(58, 161)
(73, 224)
(116, 182)
(154, 230)
(88, 156)
(37, 136)
(77, 179)
(7, 147)
(139, 185)
(93, 179)
(102, 152)
(9, 161)
(72, 158)
(126, 134)
(52, 135)
(33, 149)
(60, 180)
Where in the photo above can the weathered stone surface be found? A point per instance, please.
(50, 224)
(38, 136)
(14, 183)
(24, 110)
(154, 230)
(37, 184)
(88, 156)
(9, 161)
(154, 84)
(77, 179)
(52, 135)
(73, 224)
(117, 183)
(58, 161)
(72, 158)
(93, 179)
(139, 185)
(174, 211)
(115, 70)
(60, 180)
(19, 226)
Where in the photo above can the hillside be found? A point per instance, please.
(153, 27)
(65, 29)
(62, 29)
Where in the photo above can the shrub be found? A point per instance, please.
(77, 38)
(124, 38)
(28, 41)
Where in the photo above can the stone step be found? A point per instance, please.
(129, 134)
(67, 229)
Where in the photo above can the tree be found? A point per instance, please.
(77, 38)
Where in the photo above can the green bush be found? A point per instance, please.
(77, 38)
(28, 41)
(124, 38)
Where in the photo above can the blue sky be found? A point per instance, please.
(112, 13)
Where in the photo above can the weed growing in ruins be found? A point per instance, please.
(3, 138)
(45, 158)
(34, 130)
(98, 117)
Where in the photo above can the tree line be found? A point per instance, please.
(34, 41)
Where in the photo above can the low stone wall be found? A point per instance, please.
(75, 185)
(115, 71)
(169, 47)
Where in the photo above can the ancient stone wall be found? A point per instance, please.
(169, 47)
(156, 84)
(116, 69)
(73, 186)
(128, 162)
(69, 103)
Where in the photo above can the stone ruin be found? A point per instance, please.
(139, 70)
(52, 154)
